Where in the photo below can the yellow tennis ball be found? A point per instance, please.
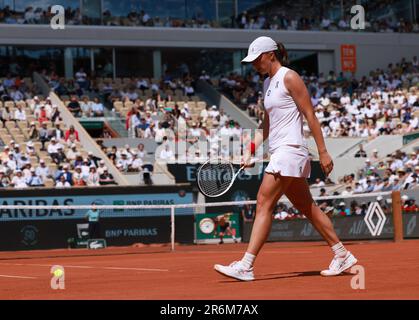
(58, 273)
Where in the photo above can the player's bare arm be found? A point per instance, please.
(299, 93)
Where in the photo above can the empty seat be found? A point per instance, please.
(43, 155)
(10, 124)
(201, 104)
(34, 161)
(49, 183)
(181, 104)
(22, 125)
(15, 131)
(20, 138)
(21, 103)
(37, 145)
(52, 168)
(128, 104)
(118, 105)
(31, 119)
(193, 106)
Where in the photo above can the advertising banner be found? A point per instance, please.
(100, 199)
(348, 57)
(211, 227)
(123, 231)
(347, 228)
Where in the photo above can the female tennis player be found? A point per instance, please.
(286, 100)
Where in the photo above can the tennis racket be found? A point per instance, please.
(216, 176)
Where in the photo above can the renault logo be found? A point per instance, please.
(373, 209)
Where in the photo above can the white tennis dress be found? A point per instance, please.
(287, 146)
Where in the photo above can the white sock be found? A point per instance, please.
(339, 250)
(248, 260)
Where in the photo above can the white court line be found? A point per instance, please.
(140, 269)
(18, 277)
(278, 252)
(85, 267)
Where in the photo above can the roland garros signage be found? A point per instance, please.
(348, 57)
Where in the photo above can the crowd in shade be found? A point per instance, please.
(79, 91)
(15, 88)
(385, 102)
(282, 16)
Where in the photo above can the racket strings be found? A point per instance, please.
(215, 178)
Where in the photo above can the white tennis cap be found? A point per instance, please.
(259, 46)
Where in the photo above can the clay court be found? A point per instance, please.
(283, 271)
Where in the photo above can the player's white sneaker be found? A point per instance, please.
(338, 265)
(236, 270)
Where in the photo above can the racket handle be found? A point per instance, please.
(251, 164)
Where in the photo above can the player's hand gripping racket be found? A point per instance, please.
(216, 176)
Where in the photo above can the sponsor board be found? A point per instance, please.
(54, 234)
(347, 228)
(94, 244)
(209, 226)
(119, 199)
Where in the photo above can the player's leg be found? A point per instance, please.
(299, 194)
(221, 234)
(271, 189)
(232, 233)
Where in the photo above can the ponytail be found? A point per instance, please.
(281, 54)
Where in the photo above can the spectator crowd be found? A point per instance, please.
(286, 15)
(385, 102)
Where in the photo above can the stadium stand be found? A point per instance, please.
(152, 108)
(286, 15)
